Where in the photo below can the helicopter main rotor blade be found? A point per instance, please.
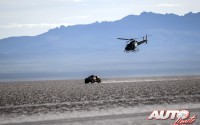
(138, 38)
(123, 39)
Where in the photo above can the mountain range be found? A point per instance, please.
(76, 51)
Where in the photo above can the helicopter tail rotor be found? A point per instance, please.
(146, 39)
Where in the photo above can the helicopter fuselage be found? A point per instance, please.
(132, 46)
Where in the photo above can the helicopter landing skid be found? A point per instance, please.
(134, 51)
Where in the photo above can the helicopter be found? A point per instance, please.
(133, 43)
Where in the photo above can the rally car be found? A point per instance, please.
(92, 79)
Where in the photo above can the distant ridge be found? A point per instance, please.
(142, 18)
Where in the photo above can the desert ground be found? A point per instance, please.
(114, 101)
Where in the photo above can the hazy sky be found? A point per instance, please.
(32, 17)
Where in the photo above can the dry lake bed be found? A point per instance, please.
(116, 101)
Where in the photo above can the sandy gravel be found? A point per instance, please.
(30, 97)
